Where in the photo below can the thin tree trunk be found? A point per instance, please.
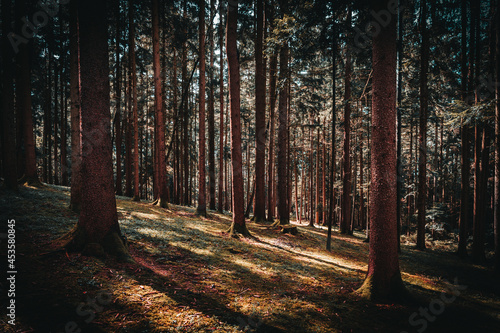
(202, 205)
(238, 225)
(496, 204)
(422, 161)
(211, 114)
(118, 92)
(332, 193)
(221, 111)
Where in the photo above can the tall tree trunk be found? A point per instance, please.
(465, 149)
(221, 112)
(422, 138)
(399, 184)
(23, 104)
(282, 193)
(238, 225)
(211, 113)
(118, 93)
(273, 67)
(332, 193)
(260, 117)
(202, 205)
(98, 222)
(383, 280)
(133, 73)
(318, 178)
(76, 130)
(8, 114)
(346, 192)
(159, 113)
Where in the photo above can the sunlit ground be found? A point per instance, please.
(189, 276)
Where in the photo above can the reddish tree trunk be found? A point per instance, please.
(118, 92)
(383, 279)
(238, 224)
(282, 193)
(270, 166)
(346, 192)
(76, 148)
(211, 114)
(221, 111)
(496, 212)
(98, 222)
(202, 205)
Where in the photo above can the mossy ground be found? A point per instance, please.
(189, 275)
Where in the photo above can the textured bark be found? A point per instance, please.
(238, 225)
(422, 138)
(211, 114)
(383, 280)
(8, 113)
(76, 130)
(282, 193)
(159, 112)
(133, 78)
(98, 222)
(332, 193)
(399, 185)
(346, 176)
(260, 117)
(270, 164)
(221, 112)
(118, 93)
(202, 205)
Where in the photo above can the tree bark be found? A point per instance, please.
(238, 225)
(422, 138)
(202, 205)
(221, 112)
(331, 210)
(383, 280)
(211, 114)
(97, 227)
(346, 192)
(118, 93)
(496, 212)
(76, 130)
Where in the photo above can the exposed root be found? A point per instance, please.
(30, 181)
(238, 229)
(395, 292)
(201, 211)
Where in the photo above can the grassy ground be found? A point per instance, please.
(189, 276)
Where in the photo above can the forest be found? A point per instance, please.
(250, 166)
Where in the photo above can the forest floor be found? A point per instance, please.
(190, 276)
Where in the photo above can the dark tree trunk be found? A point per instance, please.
(282, 193)
(465, 150)
(260, 117)
(383, 280)
(159, 113)
(238, 225)
(76, 134)
(273, 66)
(422, 138)
(118, 92)
(221, 111)
(97, 226)
(202, 205)
(8, 114)
(211, 114)
(331, 210)
(346, 192)
(23, 105)
(496, 212)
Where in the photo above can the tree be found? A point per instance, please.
(238, 225)
(75, 90)
(202, 205)
(282, 195)
(422, 138)
(97, 230)
(24, 106)
(211, 114)
(345, 223)
(118, 92)
(133, 81)
(383, 280)
(221, 111)
(260, 117)
(160, 164)
(8, 114)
